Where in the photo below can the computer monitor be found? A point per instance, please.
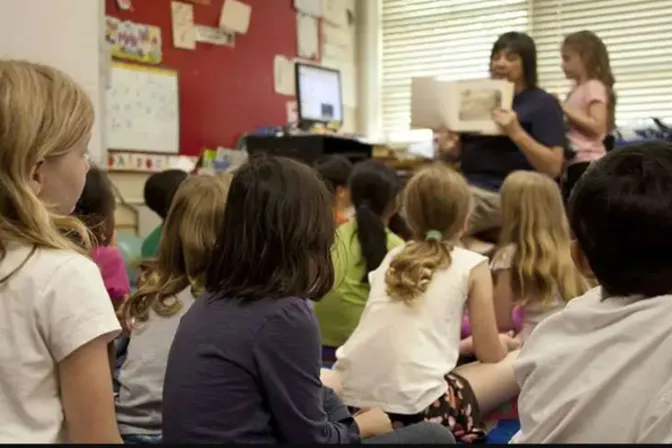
(318, 95)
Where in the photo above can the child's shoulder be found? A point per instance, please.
(503, 258)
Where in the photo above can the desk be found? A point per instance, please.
(308, 148)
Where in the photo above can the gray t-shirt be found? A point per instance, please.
(140, 397)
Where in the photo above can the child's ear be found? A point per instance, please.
(580, 260)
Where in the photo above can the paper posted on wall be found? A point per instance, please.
(235, 16)
(461, 106)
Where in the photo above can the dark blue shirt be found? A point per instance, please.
(248, 373)
(487, 160)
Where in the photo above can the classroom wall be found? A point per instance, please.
(35, 30)
(224, 91)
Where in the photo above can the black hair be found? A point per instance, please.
(522, 45)
(335, 170)
(277, 233)
(621, 213)
(160, 189)
(96, 206)
(374, 187)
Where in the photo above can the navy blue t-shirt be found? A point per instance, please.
(248, 373)
(487, 160)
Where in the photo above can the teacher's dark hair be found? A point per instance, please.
(276, 236)
(374, 188)
(522, 45)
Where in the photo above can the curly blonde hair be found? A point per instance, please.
(436, 204)
(43, 114)
(186, 248)
(535, 223)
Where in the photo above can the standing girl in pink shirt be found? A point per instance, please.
(590, 105)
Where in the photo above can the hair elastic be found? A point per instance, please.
(433, 235)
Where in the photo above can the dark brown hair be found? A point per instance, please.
(277, 233)
(595, 57)
(95, 207)
(160, 189)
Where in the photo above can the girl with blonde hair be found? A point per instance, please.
(56, 318)
(533, 265)
(403, 354)
(167, 291)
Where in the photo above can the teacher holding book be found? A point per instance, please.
(533, 133)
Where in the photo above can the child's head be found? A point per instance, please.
(335, 171)
(277, 233)
(436, 203)
(186, 248)
(585, 56)
(45, 127)
(534, 221)
(96, 206)
(374, 188)
(160, 189)
(621, 214)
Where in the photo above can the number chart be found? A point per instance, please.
(142, 109)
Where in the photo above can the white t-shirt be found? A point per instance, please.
(398, 356)
(534, 313)
(49, 308)
(599, 371)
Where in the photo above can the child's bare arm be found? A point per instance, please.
(487, 346)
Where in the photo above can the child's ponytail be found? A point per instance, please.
(371, 236)
(374, 187)
(412, 269)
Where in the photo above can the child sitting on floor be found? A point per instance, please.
(599, 371)
(166, 293)
(360, 246)
(533, 268)
(159, 191)
(335, 170)
(403, 353)
(95, 208)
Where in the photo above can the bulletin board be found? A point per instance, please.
(142, 109)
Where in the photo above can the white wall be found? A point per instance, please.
(66, 34)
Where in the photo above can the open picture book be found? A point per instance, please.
(460, 106)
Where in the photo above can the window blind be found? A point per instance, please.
(638, 36)
(447, 38)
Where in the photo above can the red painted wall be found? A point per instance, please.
(223, 91)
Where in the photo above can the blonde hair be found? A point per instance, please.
(43, 114)
(436, 204)
(186, 247)
(535, 223)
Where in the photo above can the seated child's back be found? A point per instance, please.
(360, 246)
(599, 371)
(166, 293)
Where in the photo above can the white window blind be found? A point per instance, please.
(638, 35)
(447, 38)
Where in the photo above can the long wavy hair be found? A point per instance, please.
(436, 199)
(535, 223)
(43, 114)
(595, 58)
(185, 250)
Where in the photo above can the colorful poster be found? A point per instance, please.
(134, 41)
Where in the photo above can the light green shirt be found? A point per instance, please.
(339, 311)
